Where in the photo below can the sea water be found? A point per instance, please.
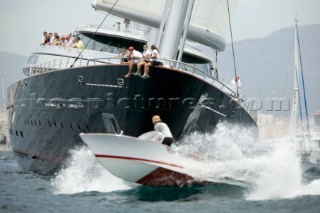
(277, 181)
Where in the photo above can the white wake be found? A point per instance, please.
(84, 173)
(274, 171)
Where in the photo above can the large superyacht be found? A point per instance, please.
(67, 91)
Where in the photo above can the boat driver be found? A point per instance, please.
(163, 128)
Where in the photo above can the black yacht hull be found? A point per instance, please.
(48, 111)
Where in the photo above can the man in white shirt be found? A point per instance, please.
(163, 128)
(236, 83)
(68, 41)
(134, 58)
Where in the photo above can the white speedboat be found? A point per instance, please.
(144, 160)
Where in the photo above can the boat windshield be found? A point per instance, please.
(198, 63)
(108, 44)
(152, 136)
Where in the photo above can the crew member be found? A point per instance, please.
(78, 43)
(163, 128)
(134, 57)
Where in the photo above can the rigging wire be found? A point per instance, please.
(304, 89)
(300, 110)
(234, 58)
(75, 60)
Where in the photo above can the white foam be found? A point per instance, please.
(273, 170)
(230, 152)
(84, 173)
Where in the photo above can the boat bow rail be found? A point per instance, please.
(65, 63)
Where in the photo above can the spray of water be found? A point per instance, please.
(230, 153)
(273, 171)
(84, 173)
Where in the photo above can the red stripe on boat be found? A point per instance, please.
(138, 159)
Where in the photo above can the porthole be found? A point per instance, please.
(21, 133)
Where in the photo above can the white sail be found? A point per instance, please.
(296, 74)
(148, 7)
(212, 15)
(209, 22)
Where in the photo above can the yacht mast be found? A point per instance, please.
(185, 29)
(163, 21)
(173, 28)
(296, 71)
(296, 95)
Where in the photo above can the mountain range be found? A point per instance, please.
(11, 68)
(265, 65)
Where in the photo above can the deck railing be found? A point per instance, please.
(65, 63)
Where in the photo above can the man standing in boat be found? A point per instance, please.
(163, 128)
(236, 84)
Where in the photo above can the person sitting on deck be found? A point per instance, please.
(123, 55)
(68, 41)
(62, 42)
(155, 61)
(134, 57)
(56, 39)
(78, 43)
(163, 128)
(50, 38)
(44, 38)
(146, 58)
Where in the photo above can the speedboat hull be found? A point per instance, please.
(137, 161)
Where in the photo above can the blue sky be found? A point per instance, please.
(23, 21)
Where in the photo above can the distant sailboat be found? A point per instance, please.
(2, 91)
(308, 144)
